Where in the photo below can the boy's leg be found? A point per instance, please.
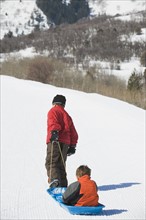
(63, 174)
(52, 162)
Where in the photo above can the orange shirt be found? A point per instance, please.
(89, 191)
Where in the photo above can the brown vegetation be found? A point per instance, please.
(57, 73)
(71, 45)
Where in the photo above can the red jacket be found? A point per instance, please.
(58, 119)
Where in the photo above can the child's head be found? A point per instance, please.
(83, 170)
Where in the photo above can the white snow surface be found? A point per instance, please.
(113, 7)
(20, 17)
(12, 10)
(111, 142)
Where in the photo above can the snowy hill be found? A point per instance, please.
(111, 143)
(22, 16)
(113, 7)
(12, 10)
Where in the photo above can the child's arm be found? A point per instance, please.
(72, 194)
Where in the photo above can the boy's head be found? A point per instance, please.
(83, 170)
(59, 100)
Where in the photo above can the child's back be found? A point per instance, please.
(82, 192)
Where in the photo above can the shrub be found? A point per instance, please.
(135, 82)
(138, 31)
(40, 69)
(57, 73)
(15, 67)
(143, 59)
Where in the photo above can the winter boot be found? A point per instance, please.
(54, 183)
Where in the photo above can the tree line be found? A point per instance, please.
(58, 11)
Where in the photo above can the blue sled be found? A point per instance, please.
(56, 194)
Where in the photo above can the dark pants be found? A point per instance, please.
(54, 163)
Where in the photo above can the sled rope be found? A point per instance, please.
(61, 155)
(51, 160)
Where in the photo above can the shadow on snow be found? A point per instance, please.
(113, 211)
(116, 186)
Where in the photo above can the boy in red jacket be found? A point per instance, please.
(61, 142)
(82, 192)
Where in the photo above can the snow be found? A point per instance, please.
(25, 8)
(111, 133)
(111, 142)
(113, 7)
(19, 17)
(126, 68)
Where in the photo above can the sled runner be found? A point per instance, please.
(56, 194)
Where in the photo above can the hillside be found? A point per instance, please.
(106, 36)
(111, 142)
(32, 17)
(20, 17)
(102, 39)
(121, 7)
(96, 54)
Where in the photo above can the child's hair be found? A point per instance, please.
(83, 170)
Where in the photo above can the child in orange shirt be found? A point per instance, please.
(83, 192)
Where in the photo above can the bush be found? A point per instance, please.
(57, 73)
(41, 70)
(15, 67)
(135, 82)
(143, 59)
(136, 90)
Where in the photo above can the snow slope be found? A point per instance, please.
(113, 7)
(111, 143)
(12, 10)
(126, 68)
(20, 17)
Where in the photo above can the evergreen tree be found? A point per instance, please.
(59, 12)
(135, 82)
(144, 75)
(53, 9)
(143, 59)
(78, 9)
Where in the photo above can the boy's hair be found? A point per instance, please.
(83, 170)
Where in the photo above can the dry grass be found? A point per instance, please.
(57, 73)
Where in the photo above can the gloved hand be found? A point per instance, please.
(54, 136)
(71, 150)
